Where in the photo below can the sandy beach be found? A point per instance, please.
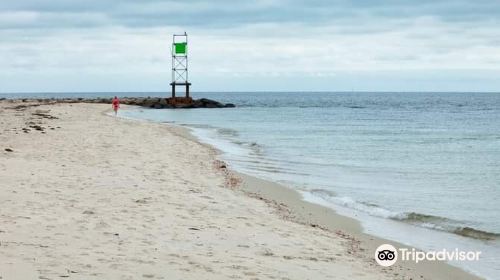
(86, 195)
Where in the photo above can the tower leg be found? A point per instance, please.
(187, 90)
(173, 90)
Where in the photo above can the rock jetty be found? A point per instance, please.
(147, 102)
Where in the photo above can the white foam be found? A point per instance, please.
(419, 237)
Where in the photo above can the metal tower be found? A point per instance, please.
(180, 63)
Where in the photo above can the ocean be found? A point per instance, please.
(419, 168)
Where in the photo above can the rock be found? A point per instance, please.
(184, 106)
(148, 102)
(163, 102)
(131, 101)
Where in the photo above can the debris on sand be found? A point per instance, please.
(44, 115)
(37, 127)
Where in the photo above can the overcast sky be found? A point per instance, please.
(113, 45)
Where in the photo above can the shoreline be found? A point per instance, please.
(316, 215)
(319, 224)
(291, 206)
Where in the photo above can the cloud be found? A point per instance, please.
(283, 39)
(225, 13)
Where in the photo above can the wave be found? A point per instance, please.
(228, 132)
(445, 224)
(413, 218)
(204, 126)
(356, 107)
(322, 192)
(475, 233)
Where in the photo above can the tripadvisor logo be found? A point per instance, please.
(387, 255)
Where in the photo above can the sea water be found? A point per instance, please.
(420, 168)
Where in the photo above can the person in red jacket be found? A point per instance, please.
(116, 104)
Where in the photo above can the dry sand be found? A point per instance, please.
(85, 195)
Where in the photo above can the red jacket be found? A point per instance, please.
(116, 103)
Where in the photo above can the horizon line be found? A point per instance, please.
(237, 91)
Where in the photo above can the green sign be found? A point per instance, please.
(180, 48)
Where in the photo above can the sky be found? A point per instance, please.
(261, 45)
